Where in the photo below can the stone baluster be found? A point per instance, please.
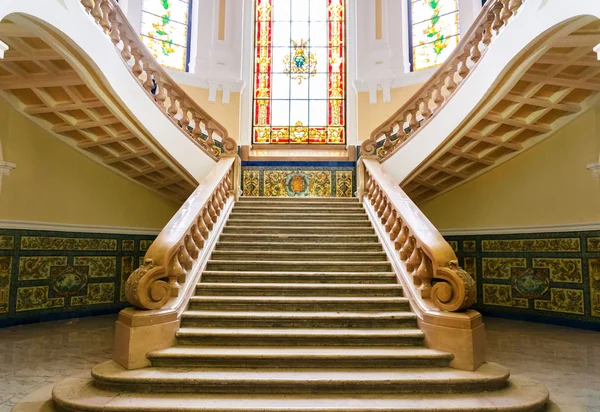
(413, 263)
(190, 245)
(475, 52)
(88, 5)
(210, 141)
(104, 20)
(395, 230)
(184, 257)
(207, 218)
(439, 97)
(212, 213)
(401, 240)
(161, 95)
(172, 109)
(202, 228)
(115, 35)
(197, 236)
(506, 13)
(487, 29)
(514, 6)
(425, 274)
(185, 120)
(97, 11)
(426, 111)
(463, 69)
(196, 131)
(383, 208)
(391, 219)
(408, 248)
(126, 50)
(451, 83)
(136, 69)
(413, 123)
(498, 22)
(174, 272)
(148, 83)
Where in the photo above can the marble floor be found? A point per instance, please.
(566, 360)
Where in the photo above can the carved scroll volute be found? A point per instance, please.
(145, 287)
(455, 289)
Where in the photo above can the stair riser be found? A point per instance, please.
(285, 247)
(291, 256)
(243, 322)
(298, 216)
(293, 222)
(321, 387)
(300, 210)
(297, 230)
(243, 266)
(297, 341)
(329, 279)
(300, 307)
(298, 291)
(299, 362)
(288, 206)
(297, 200)
(327, 238)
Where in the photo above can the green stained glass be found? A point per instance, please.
(435, 31)
(165, 31)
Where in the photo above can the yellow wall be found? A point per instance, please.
(54, 183)
(372, 115)
(226, 114)
(547, 185)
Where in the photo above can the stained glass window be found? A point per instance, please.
(299, 72)
(435, 31)
(165, 31)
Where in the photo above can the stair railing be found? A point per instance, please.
(439, 290)
(161, 287)
(444, 83)
(183, 111)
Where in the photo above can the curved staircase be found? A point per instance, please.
(297, 310)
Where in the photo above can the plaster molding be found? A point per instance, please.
(67, 227)
(6, 168)
(595, 169)
(507, 230)
(3, 48)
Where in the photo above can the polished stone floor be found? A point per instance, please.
(566, 360)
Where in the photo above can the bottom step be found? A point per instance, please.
(79, 394)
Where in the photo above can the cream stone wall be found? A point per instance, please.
(372, 115)
(226, 114)
(56, 184)
(547, 185)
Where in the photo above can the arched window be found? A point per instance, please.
(299, 72)
(435, 31)
(166, 31)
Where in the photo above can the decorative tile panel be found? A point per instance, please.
(499, 268)
(299, 179)
(454, 245)
(470, 266)
(63, 243)
(5, 266)
(7, 242)
(51, 275)
(550, 277)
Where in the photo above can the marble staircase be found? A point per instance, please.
(298, 310)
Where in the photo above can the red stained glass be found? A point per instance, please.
(306, 75)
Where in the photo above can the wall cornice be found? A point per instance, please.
(67, 227)
(506, 230)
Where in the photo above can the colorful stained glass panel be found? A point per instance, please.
(435, 31)
(165, 31)
(303, 72)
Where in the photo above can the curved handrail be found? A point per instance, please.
(431, 97)
(165, 91)
(177, 248)
(426, 255)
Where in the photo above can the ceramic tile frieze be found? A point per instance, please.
(546, 276)
(299, 179)
(65, 243)
(470, 266)
(49, 275)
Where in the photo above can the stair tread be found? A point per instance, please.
(265, 352)
(302, 332)
(111, 371)
(298, 252)
(331, 286)
(291, 273)
(520, 394)
(299, 299)
(300, 315)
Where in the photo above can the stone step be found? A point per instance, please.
(299, 255)
(298, 303)
(284, 204)
(271, 199)
(274, 210)
(297, 266)
(295, 238)
(75, 394)
(228, 276)
(296, 230)
(299, 357)
(295, 289)
(284, 215)
(299, 246)
(262, 319)
(279, 222)
(299, 337)
(110, 375)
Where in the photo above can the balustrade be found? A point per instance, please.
(430, 98)
(167, 94)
